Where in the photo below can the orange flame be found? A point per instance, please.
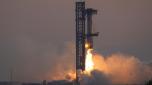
(89, 62)
(87, 45)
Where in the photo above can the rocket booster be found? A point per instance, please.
(89, 31)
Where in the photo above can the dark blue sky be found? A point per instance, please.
(34, 32)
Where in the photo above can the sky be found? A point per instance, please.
(34, 32)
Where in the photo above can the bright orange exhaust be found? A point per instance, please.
(89, 64)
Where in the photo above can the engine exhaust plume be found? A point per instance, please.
(89, 64)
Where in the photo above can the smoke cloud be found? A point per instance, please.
(63, 65)
(96, 78)
(122, 69)
(114, 69)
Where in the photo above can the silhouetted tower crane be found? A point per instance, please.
(80, 39)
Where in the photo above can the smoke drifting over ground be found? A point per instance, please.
(121, 69)
(96, 78)
(63, 65)
(114, 69)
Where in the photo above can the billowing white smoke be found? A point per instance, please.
(114, 69)
(96, 78)
(119, 69)
(63, 65)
